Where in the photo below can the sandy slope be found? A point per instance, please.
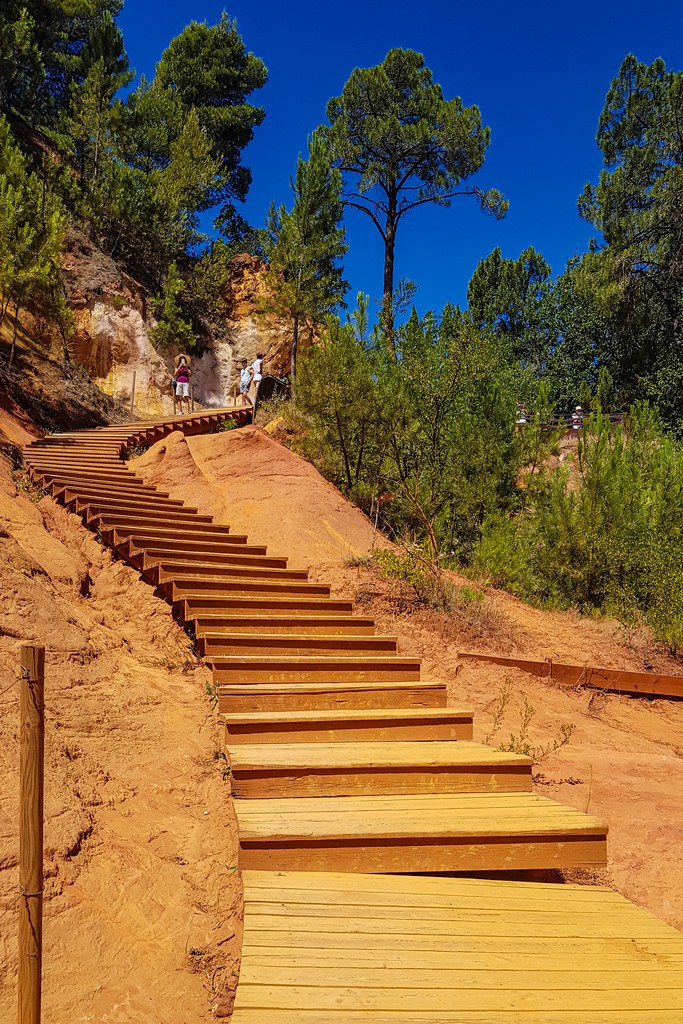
(257, 486)
(139, 837)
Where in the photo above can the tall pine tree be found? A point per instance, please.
(305, 245)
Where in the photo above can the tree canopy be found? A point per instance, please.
(400, 145)
(304, 246)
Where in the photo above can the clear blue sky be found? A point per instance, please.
(539, 73)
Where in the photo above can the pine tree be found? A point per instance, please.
(31, 230)
(172, 329)
(406, 145)
(305, 280)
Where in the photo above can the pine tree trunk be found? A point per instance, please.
(14, 334)
(388, 294)
(295, 346)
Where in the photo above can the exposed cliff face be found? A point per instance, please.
(112, 342)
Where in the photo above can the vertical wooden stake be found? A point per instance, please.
(132, 393)
(31, 740)
(192, 397)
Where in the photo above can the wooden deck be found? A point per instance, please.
(344, 758)
(326, 948)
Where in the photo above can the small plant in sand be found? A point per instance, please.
(212, 693)
(413, 567)
(358, 562)
(135, 452)
(519, 742)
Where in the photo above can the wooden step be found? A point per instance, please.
(210, 643)
(460, 832)
(166, 570)
(271, 622)
(127, 526)
(385, 724)
(267, 697)
(340, 948)
(181, 587)
(108, 514)
(88, 506)
(186, 555)
(376, 768)
(71, 493)
(58, 488)
(193, 542)
(83, 478)
(140, 503)
(317, 668)
(197, 604)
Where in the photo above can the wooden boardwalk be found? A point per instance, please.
(344, 758)
(328, 948)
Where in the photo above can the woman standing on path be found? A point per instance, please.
(181, 380)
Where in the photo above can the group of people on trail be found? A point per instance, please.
(521, 418)
(250, 378)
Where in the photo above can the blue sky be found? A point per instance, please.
(538, 72)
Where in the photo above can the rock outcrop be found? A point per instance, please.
(113, 320)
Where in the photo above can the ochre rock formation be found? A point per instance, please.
(113, 320)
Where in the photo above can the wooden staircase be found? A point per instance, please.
(343, 756)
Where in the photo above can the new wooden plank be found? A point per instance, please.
(328, 696)
(364, 726)
(314, 668)
(296, 770)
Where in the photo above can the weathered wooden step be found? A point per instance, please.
(191, 542)
(424, 833)
(147, 499)
(348, 726)
(186, 555)
(284, 622)
(269, 697)
(188, 526)
(198, 604)
(314, 668)
(125, 505)
(111, 513)
(114, 489)
(81, 478)
(299, 770)
(211, 644)
(165, 570)
(183, 586)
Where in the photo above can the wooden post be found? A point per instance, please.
(31, 739)
(132, 394)
(191, 397)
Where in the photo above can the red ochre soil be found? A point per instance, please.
(142, 907)
(142, 900)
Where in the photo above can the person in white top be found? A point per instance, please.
(256, 369)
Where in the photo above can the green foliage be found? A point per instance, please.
(608, 540)
(638, 206)
(47, 46)
(31, 229)
(172, 330)
(304, 247)
(425, 441)
(208, 68)
(405, 146)
(504, 295)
